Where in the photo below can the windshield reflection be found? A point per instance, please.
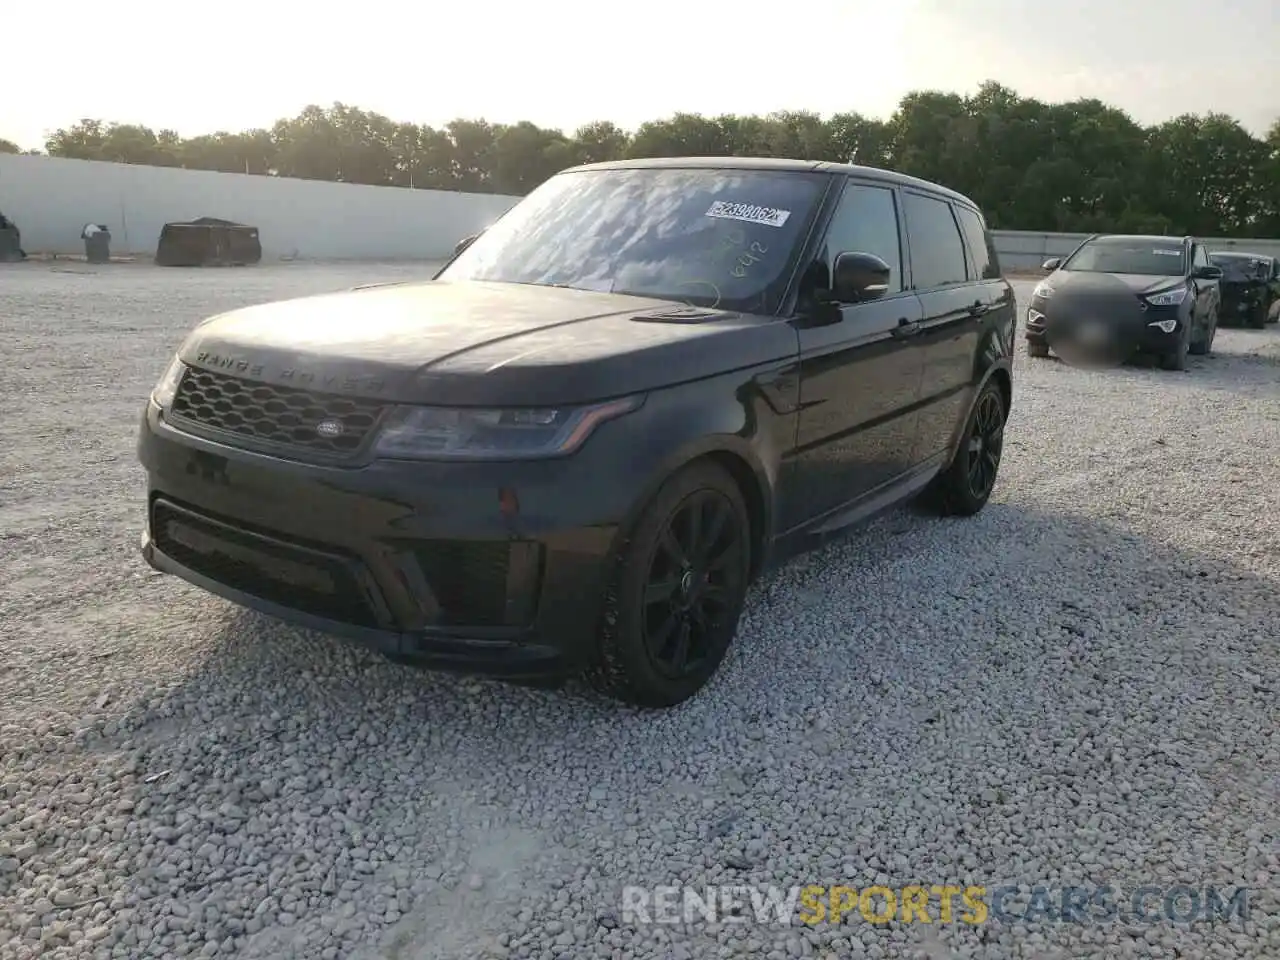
(707, 237)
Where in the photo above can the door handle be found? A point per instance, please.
(906, 328)
(978, 309)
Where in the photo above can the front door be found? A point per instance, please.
(859, 372)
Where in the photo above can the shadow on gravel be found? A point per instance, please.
(294, 788)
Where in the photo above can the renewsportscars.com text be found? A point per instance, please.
(934, 903)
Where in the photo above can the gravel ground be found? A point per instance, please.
(1079, 686)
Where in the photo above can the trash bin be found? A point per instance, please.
(97, 246)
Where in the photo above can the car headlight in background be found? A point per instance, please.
(1167, 326)
(458, 433)
(1167, 298)
(1043, 289)
(167, 386)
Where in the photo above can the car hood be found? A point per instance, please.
(1139, 283)
(474, 343)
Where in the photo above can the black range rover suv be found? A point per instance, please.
(574, 449)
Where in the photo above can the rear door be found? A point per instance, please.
(955, 298)
(860, 369)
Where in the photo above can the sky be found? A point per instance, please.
(562, 63)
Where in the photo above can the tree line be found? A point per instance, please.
(1077, 166)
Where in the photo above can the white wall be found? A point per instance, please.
(52, 199)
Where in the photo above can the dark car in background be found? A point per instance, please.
(575, 448)
(1116, 296)
(1250, 287)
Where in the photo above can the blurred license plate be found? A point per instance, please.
(1092, 332)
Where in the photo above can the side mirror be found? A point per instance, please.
(1053, 263)
(464, 243)
(858, 277)
(1207, 273)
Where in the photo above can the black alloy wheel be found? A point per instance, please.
(695, 574)
(965, 486)
(985, 445)
(676, 595)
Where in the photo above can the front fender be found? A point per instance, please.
(733, 417)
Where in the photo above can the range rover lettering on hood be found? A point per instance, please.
(289, 376)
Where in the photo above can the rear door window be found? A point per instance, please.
(937, 252)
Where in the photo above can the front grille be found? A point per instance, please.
(468, 579)
(293, 576)
(278, 416)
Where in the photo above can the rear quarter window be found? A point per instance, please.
(982, 250)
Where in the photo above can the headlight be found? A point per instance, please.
(1167, 298)
(457, 433)
(1166, 326)
(1043, 289)
(167, 386)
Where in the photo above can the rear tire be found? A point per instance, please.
(965, 486)
(1258, 319)
(1038, 350)
(673, 604)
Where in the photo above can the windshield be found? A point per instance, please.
(1237, 267)
(710, 238)
(1129, 255)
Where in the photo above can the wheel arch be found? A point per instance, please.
(754, 480)
(1001, 372)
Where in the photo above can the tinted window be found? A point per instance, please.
(721, 238)
(1142, 255)
(937, 253)
(980, 247)
(866, 221)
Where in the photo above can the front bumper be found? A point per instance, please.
(481, 567)
(1145, 335)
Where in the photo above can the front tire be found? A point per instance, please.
(965, 486)
(1259, 318)
(1203, 346)
(677, 593)
(1176, 359)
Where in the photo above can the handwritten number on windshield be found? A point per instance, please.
(748, 258)
(704, 285)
